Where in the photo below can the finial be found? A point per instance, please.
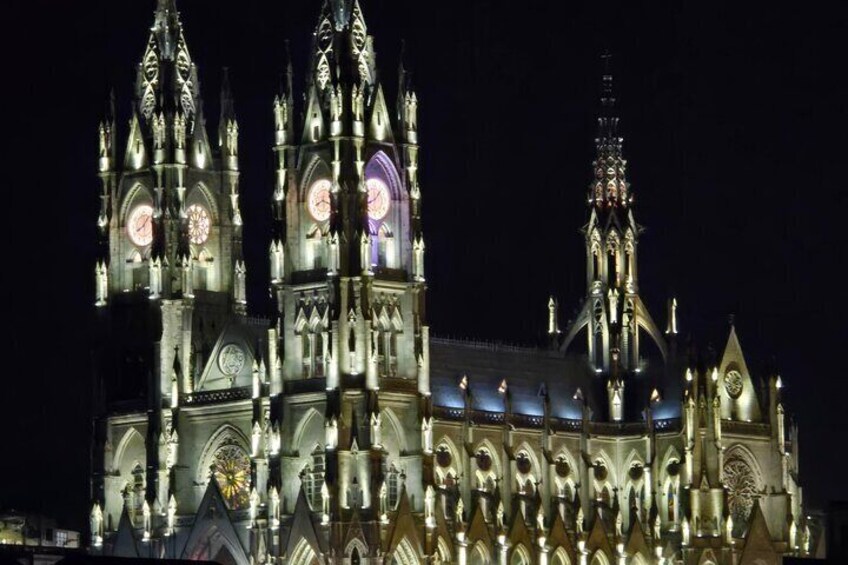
(731, 320)
(607, 96)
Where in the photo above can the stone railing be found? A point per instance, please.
(217, 396)
(745, 428)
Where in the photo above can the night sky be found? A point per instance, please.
(734, 122)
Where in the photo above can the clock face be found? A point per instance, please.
(319, 200)
(140, 225)
(378, 199)
(198, 224)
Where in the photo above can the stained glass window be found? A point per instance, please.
(231, 466)
(742, 490)
(198, 224)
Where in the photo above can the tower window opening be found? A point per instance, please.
(315, 479)
(611, 268)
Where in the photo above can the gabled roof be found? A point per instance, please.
(404, 526)
(758, 545)
(302, 526)
(213, 515)
(125, 544)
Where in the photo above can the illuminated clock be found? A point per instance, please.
(319, 200)
(198, 224)
(140, 225)
(378, 199)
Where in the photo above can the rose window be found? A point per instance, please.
(742, 491)
(231, 467)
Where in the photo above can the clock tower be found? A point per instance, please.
(347, 267)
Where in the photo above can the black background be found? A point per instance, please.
(734, 119)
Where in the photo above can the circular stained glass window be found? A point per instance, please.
(741, 491)
(563, 469)
(231, 467)
(733, 384)
(198, 224)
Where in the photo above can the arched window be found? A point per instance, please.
(303, 554)
(314, 479)
(392, 486)
(315, 246)
(354, 556)
(138, 489)
(560, 557)
(479, 555)
(485, 473)
(231, 469)
(520, 556)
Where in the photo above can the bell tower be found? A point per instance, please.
(613, 314)
(347, 268)
(169, 222)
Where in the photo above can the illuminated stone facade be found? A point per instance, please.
(337, 430)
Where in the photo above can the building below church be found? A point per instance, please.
(335, 429)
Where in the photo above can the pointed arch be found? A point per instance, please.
(356, 545)
(225, 433)
(404, 554)
(200, 194)
(560, 557)
(479, 555)
(454, 466)
(443, 552)
(611, 479)
(599, 558)
(396, 431)
(131, 450)
(317, 169)
(671, 454)
(304, 554)
(744, 452)
(530, 476)
(382, 167)
(136, 195)
(308, 430)
(520, 555)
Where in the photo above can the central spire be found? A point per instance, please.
(610, 188)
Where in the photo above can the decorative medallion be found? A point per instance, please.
(198, 224)
(443, 457)
(140, 225)
(601, 471)
(484, 460)
(522, 462)
(733, 384)
(231, 360)
(673, 468)
(636, 472)
(563, 469)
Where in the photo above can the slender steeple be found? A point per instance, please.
(613, 313)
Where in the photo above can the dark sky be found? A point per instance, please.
(734, 119)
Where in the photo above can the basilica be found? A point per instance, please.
(335, 429)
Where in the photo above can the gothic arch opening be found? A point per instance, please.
(479, 555)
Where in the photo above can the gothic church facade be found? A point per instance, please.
(336, 430)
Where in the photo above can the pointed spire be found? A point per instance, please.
(610, 187)
(228, 112)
